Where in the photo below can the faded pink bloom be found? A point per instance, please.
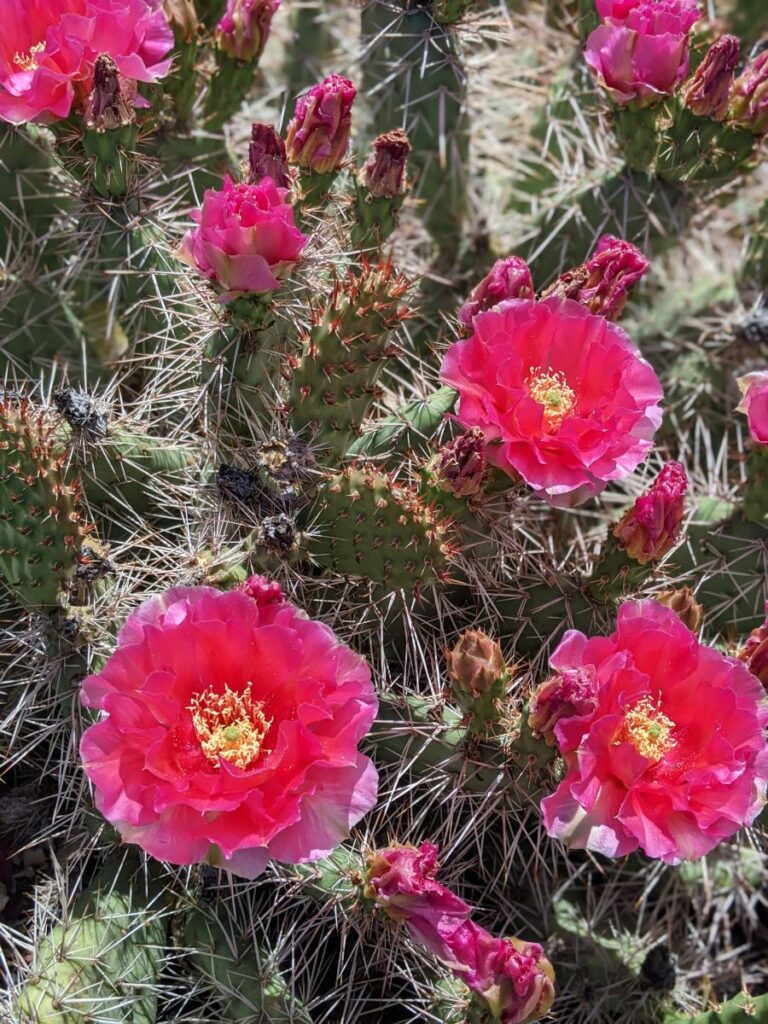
(640, 52)
(246, 240)
(748, 107)
(673, 760)
(754, 404)
(561, 704)
(563, 396)
(649, 529)
(384, 172)
(318, 135)
(267, 157)
(229, 732)
(602, 284)
(509, 278)
(512, 978)
(460, 465)
(707, 91)
(243, 31)
(754, 653)
(48, 49)
(401, 881)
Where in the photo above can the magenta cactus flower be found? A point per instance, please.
(243, 30)
(754, 404)
(748, 105)
(673, 759)
(246, 241)
(230, 730)
(650, 528)
(508, 278)
(640, 52)
(318, 135)
(708, 90)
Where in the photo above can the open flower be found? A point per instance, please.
(230, 731)
(563, 396)
(640, 52)
(673, 758)
(48, 49)
(246, 239)
(754, 404)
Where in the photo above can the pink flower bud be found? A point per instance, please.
(650, 528)
(263, 591)
(706, 94)
(748, 107)
(243, 31)
(754, 404)
(754, 653)
(384, 172)
(571, 694)
(513, 979)
(640, 52)
(476, 665)
(267, 157)
(460, 465)
(602, 284)
(318, 135)
(509, 278)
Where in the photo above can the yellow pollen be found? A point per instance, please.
(229, 725)
(648, 729)
(28, 61)
(550, 389)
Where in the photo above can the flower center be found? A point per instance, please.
(28, 61)
(550, 389)
(648, 729)
(229, 725)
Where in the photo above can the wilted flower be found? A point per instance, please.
(748, 106)
(684, 605)
(50, 48)
(267, 157)
(650, 528)
(384, 172)
(640, 52)
(561, 703)
(603, 283)
(509, 278)
(754, 404)
(318, 135)
(563, 396)
(754, 653)
(460, 465)
(106, 107)
(230, 731)
(707, 91)
(514, 979)
(243, 31)
(673, 759)
(246, 240)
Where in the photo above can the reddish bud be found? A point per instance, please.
(754, 404)
(754, 653)
(243, 31)
(509, 278)
(569, 695)
(748, 106)
(706, 92)
(318, 135)
(384, 172)
(460, 465)
(263, 591)
(267, 157)
(602, 284)
(650, 528)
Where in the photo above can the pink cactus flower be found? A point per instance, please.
(401, 881)
(318, 135)
(754, 404)
(640, 52)
(748, 106)
(563, 396)
(246, 240)
(673, 760)
(48, 49)
(509, 278)
(651, 527)
(707, 91)
(229, 732)
(244, 29)
(512, 978)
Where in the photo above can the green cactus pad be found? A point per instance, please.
(739, 1010)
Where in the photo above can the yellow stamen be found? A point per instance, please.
(550, 389)
(648, 729)
(28, 61)
(229, 725)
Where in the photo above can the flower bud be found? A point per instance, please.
(602, 284)
(685, 606)
(384, 172)
(263, 591)
(706, 92)
(267, 157)
(318, 135)
(569, 695)
(650, 528)
(243, 31)
(748, 106)
(754, 404)
(182, 17)
(754, 653)
(476, 667)
(460, 465)
(107, 108)
(509, 278)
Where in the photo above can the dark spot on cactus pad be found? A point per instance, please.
(658, 968)
(79, 411)
(237, 485)
(278, 533)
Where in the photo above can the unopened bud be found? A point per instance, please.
(384, 172)
(707, 91)
(460, 465)
(754, 404)
(748, 106)
(479, 676)
(509, 278)
(244, 29)
(107, 108)
(685, 605)
(267, 157)
(318, 135)
(602, 284)
(754, 653)
(650, 528)
(182, 17)
(564, 698)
